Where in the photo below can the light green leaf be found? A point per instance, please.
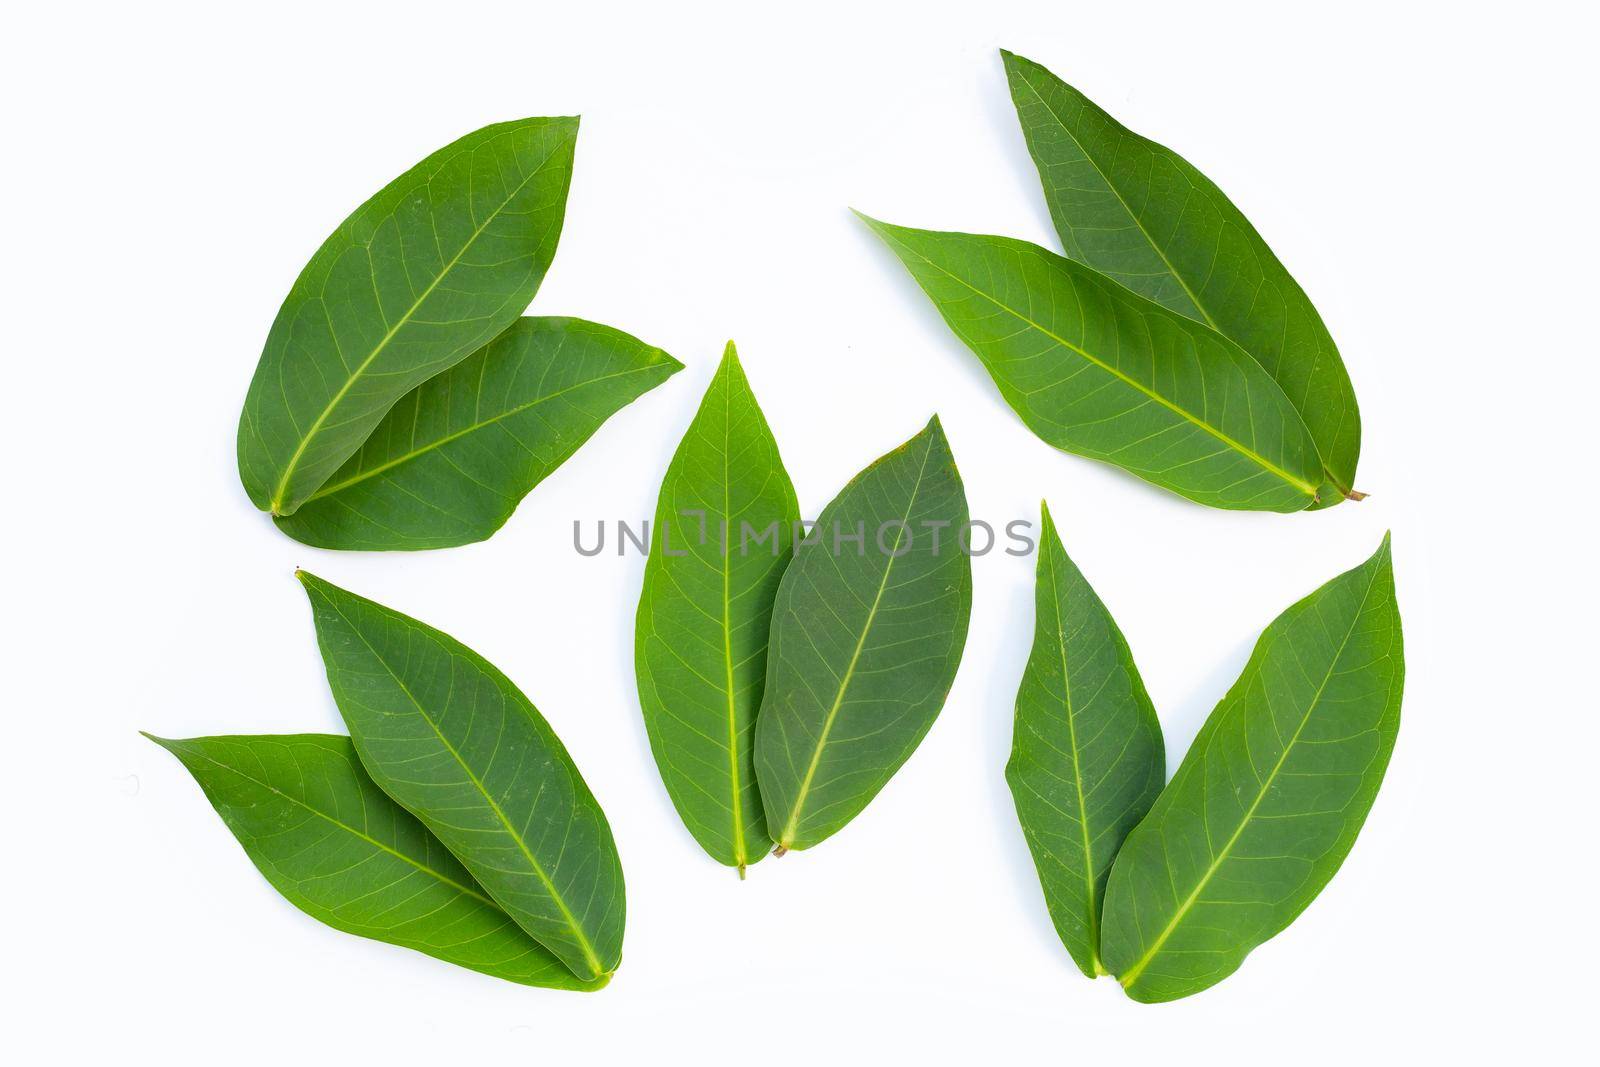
(1086, 752)
(451, 461)
(1096, 370)
(722, 537)
(456, 744)
(1270, 796)
(330, 841)
(422, 275)
(1141, 214)
(867, 631)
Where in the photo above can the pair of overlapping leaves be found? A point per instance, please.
(451, 820)
(785, 678)
(1169, 340)
(400, 402)
(1170, 888)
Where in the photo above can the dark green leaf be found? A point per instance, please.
(1096, 370)
(456, 744)
(422, 275)
(867, 632)
(722, 538)
(341, 851)
(1086, 752)
(1270, 796)
(451, 461)
(1141, 214)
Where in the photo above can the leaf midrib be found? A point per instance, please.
(1155, 246)
(737, 807)
(374, 842)
(350, 380)
(566, 913)
(1126, 207)
(387, 465)
(1077, 771)
(793, 825)
(1266, 464)
(1132, 974)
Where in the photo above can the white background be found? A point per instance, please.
(1427, 173)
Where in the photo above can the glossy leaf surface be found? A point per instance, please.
(721, 539)
(422, 275)
(1086, 752)
(456, 744)
(451, 461)
(1096, 370)
(327, 838)
(1270, 796)
(867, 631)
(1143, 215)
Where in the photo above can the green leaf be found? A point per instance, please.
(1270, 796)
(451, 461)
(1096, 370)
(330, 841)
(1142, 215)
(422, 275)
(1086, 753)
(456, 744)
(866, 637)
(723, 535)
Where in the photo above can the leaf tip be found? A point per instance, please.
(165, 742)
(1016, 66)
(896, 237)
(933, 430)
(876, 225)
(671, 362)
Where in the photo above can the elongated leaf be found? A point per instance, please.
(867, 631)
(329, 840)
(1096, 370)
(721, 540)
(1141, 214)
(1086, 753)
(422, 275)
(1270, 796)
(451, 461)
(456, 744)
